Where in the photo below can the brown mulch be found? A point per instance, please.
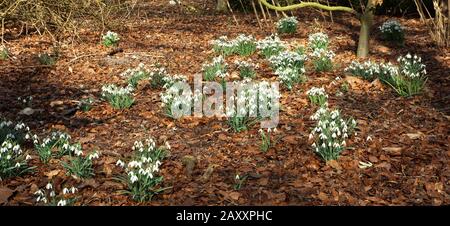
(409, 145)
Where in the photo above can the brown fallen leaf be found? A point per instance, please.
(354, 82)
(56, 103)
(292, 139)
(189, 162)
(393, 150)
(89, 183)
(208, 172)
(334, 164)
(5, 193)
(33, 188)
(322, 196)
(222, 137)
(263, 181)
(414, 136)
(376, 84)
(373, 159)
(234, 195)
(52, 173)
(107, 169)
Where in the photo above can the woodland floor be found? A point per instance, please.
(410, 136)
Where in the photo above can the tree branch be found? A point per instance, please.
(307, 4)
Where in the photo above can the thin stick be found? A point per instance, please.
(331, 12)
(256, 14)
(276, 11)
(245, 10)
(3, 30)
(282, 12)
(231, 10)
(263, 12)
(269, 14)
(321, 12)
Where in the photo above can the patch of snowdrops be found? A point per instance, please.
(393, 31)
(18, 132)
(330, 133)
(287, 25)
(370, 70)
(54, 145)
(216, 69)
(134, 75)
(322, 59)
(142, 170)
(80, 165)
(407, 79)
(48, 196)
(290, 67)
(270, 46)
(13, 161)
(178, 100)
(110, 39)
(318, 41)
(317, 96)
(246, 68)
(118, 97)
(243, 45)
(253, 102)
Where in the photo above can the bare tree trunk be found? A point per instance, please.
(364, 34)
(221, 5)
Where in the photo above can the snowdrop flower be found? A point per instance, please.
(120, 163)
(39, 192)
(66, 191)
(62, 202)
(49, 186)
(93, 156)
(167, 145)
(369, 138)
(323, 136)
(133, 178)
(28, 157)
